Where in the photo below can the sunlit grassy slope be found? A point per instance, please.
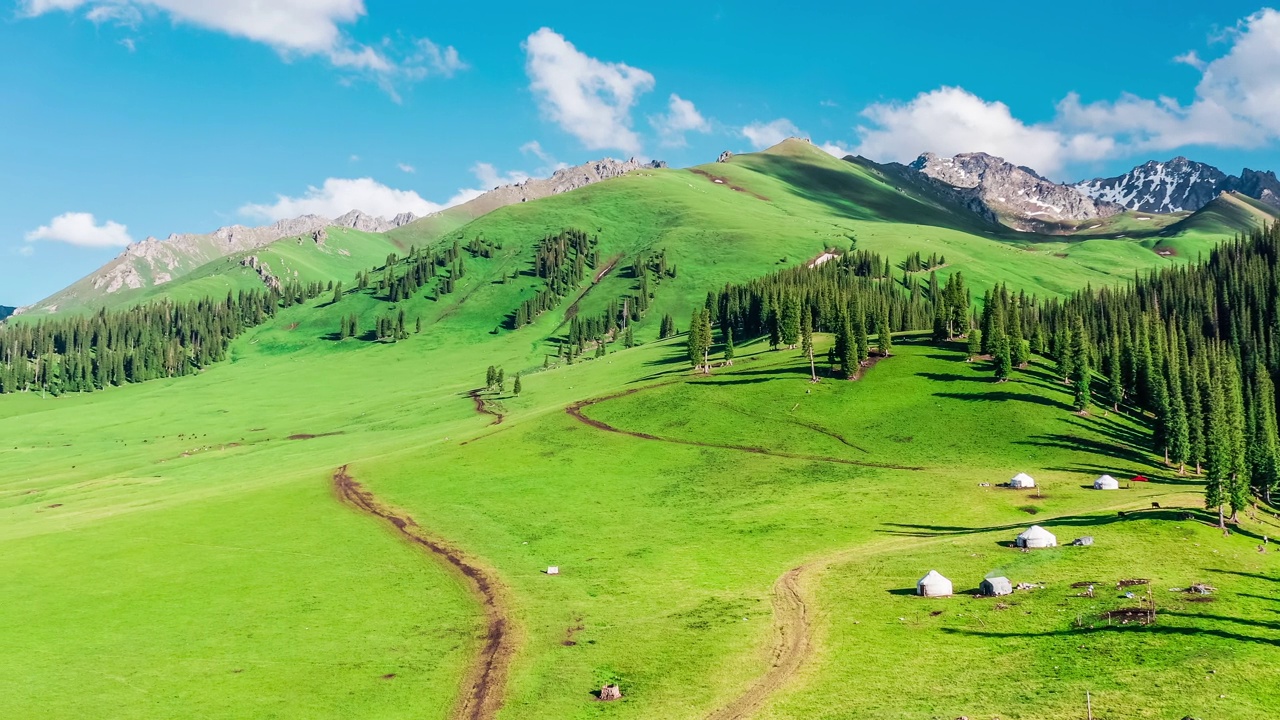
(172, 551)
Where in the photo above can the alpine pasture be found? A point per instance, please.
(743, 544)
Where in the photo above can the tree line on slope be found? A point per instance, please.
(160, 339)
(851, 296)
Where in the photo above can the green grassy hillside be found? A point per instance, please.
(178, 547)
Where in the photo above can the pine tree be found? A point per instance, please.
(884, 337)
(844, 347)
(337, 292)
(1080, 365)
(699, 339)
(1017, 344)
(939, 319)
(1218, 460)
(790, 323)
(1064, 354)
(998, 344)
(491, 377)
(1115, 382)
(1238, 490)
(1266, 446)
(1178, 433)
(728, 347)
(518, 387)
(974, 344)
(858, 322)
(806, 339)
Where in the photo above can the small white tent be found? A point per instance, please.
(933, 585)
(1022, 480)
(1106, 482)
(996, 586)
(1037, 537)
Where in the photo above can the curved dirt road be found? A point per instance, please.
(575, 410)
(485, 684)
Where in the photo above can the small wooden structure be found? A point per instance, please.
(609, 693)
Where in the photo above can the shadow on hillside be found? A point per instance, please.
(1004, 396)
(954, 377)
(1093, 447)
(852, 197)
(1070, 521)
(1255, 576)
(1156, 629)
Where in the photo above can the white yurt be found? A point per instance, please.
(933, 585)
(1037, 537)
(1106, 482)
(1022, 480)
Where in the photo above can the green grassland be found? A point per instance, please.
(175, 549)
(216, 571)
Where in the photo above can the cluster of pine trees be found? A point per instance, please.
(161, 339)
(916, 263)
(851, 296)
(562, 261)
(1196, 347)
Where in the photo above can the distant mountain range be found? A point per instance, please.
(1020, 198)
(153, 262)
(6, 311)
(1179, 185)
(977, 189)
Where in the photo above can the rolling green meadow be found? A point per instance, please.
(176, 548)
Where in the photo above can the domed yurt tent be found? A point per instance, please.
(1037, 537)
(1022, 480)
(933, 585)
(1106, 482)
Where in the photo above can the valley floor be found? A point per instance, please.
(739, 545)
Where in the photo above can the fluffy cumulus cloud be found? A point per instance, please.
(339, 196)
(682, 117)
(767, 134)
(294, 28)
(1236, 104)
(588, 98)
(948, 121)
(83, 230)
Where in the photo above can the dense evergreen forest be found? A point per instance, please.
(1192, 349)
(163, 339)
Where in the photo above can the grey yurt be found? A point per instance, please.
(1022, 480)
(1037, 537)
(933, 585)
(1106, 482)
(996, 586)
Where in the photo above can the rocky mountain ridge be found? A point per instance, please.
(1012, 195)
(1179, 185)
(153, 262)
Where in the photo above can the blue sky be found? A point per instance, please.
(129, 118)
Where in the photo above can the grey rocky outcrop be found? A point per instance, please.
(1013, 195)
(1179, 185)
(724, 156)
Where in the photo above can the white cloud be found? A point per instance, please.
(406, 168)
(354, 158)
(762, 135)
(837, 150)
(952, 120)
(294, 28)
(339, 196)
(430, 58)
(82, 229)
(1236, 104)
(490, 177)
(589, 99)
(681, 117)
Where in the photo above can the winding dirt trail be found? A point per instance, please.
(482, 407)
(485, 684)
(575, 410)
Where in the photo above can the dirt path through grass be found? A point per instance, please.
(484, 686)
(575, 410)
(792, 617)
(482, 407)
